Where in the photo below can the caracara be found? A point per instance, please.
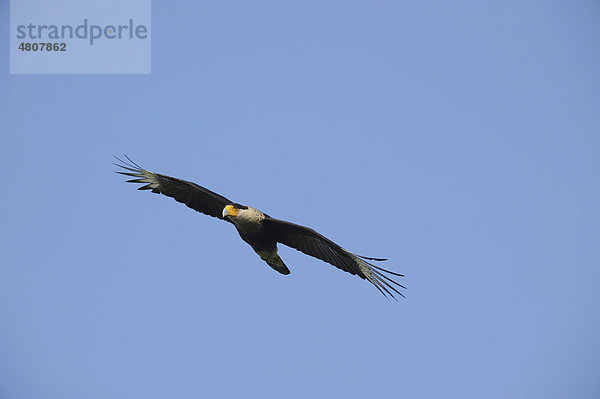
(261, 231)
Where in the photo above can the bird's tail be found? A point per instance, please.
(273, 260)
(277, 264)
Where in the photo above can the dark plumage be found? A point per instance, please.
(261, 231)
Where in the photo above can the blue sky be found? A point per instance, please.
(458, 140)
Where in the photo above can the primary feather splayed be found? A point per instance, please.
(261, 231)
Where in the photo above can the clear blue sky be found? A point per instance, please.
(461, 141)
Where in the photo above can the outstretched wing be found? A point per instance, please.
(310, 242)
(191, 194)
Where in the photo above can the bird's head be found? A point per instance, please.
(232, 210)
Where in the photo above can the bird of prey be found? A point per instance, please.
(261, 231)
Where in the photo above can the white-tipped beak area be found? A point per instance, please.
(230, 210)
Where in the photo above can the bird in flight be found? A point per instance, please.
(261, 231)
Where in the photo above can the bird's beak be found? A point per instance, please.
(230, 210)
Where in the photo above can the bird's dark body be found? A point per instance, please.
(259, 239)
